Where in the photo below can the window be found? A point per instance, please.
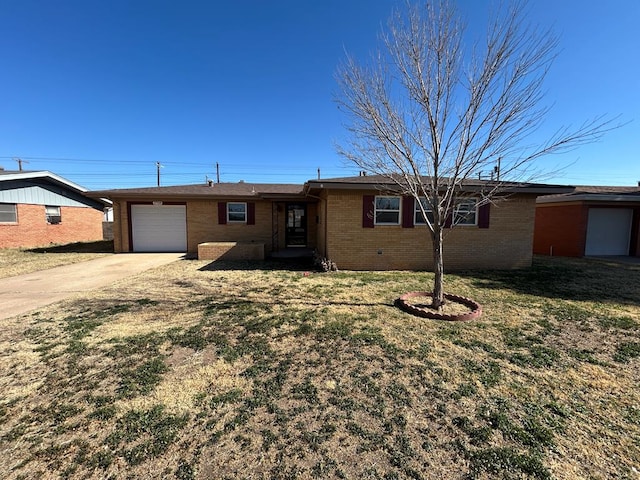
(236, 212)
(465, 213)
(387, 211)
(418, 216)
(53, 215)
(8, 213)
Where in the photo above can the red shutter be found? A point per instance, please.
(483, 215)
(448, 222)
(367, 211)
(222, 213)
(407, 212)
(251, 213)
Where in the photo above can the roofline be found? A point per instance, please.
(56, 178)
(507, 188)
(591, 197)
(191, 196)
(42, 174)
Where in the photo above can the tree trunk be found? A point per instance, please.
(438, 268)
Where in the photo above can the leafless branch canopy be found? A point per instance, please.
(427, 107)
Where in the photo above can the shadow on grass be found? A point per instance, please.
(302, 264)
(567, 279)
(101, 246)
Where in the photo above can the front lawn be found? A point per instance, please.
(190, 371)
(19, 261)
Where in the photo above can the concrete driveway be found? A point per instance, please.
(23, 293)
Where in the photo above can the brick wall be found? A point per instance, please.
(313, 219)
(202, 225)
(560, 229)
(79, 224)
(107, 230)
(507, 243)
(231, 251)
(120, 227)
(321, 226)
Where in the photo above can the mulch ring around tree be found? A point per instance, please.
(469, 309)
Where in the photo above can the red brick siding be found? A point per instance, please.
(79, 224)
(560, 230)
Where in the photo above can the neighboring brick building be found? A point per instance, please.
(590, 221)
(358, 222)
(41, 208)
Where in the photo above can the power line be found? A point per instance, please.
(204, 163)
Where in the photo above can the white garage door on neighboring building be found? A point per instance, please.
(608, 231)
(159, 228)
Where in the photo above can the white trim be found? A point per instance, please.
(15, 214)
(50, 217)
(42, 174)
(375, 210)
(245, 212)
(475, 216)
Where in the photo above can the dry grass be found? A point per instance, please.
(18, 261)
(191, 372)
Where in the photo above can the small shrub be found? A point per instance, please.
(323, 263)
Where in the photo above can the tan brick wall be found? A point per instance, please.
(321, 227)
(79, 224)
(231, 251)
(120, 227)
(278, 223)
(202, 225)
(507, 243)
(312, 225)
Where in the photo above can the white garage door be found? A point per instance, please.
(159, 228)
(608, 231)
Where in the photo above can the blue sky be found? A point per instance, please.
(99, 91)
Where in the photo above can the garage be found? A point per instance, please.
(608, 231)
(159, 228)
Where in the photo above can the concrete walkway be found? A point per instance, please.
(23, 293)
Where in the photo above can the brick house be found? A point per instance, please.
(39, 208)
(358, 222)
(590, 220)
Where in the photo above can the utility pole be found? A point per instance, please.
(20, 162)
(318, 173)
(158, 167)
(217, 172)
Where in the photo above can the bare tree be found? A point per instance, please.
(429, 115)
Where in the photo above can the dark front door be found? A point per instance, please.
(296, 225)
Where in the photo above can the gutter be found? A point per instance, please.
(591, 197)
